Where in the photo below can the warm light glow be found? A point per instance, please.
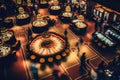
(27, 62)
(67, 51)
(45, 73)
(103, 46)
(99, 44)
(64, 54)
(50, 59)
(33, 57)
(42, 60)
(58, 57)
(89, 36)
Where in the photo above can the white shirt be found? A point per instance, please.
(93, 74)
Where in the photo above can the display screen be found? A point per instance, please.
(112, 33)
(100, 14)
(105, 39)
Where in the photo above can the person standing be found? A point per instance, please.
(74, 8)
(81, 40)
(34, 71)
(101, 66)
(56, 72)
(64, 77)
(96, 24)
(29, 34)
(99, 23)
(35, 9)
(79, 10)
(77, 46)
(65, 33)
(104, 25)
(82, 60)
(93, 74)
(100, 70)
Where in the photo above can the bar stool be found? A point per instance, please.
(32, 57)
(103, 46)
(64, 54)
(99, 44)
(50, 59)
(42, 60)
(58, 57)
(95, 40)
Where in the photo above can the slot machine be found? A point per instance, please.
(103, 41)
(94, 11)
(118, 18)
(106, 16)
(98, 12)
(114, 17)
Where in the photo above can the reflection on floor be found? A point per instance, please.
(70, 66)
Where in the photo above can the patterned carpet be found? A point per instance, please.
(20, 69)
(71, 66)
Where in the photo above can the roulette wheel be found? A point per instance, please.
(48, 47)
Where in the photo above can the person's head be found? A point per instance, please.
(102, 62)
(64, 77)
(84, 53)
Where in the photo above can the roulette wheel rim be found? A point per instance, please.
(49, 57)
(46, 38)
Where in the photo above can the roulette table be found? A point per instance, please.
(8, 37)
(67, 14)
(78, 27)
(43, 4)
(66, 17)
(22, 19)
(55, 9)
(38, 26)
(5, 50)
(48, 47)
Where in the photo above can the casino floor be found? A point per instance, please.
(19, 68)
